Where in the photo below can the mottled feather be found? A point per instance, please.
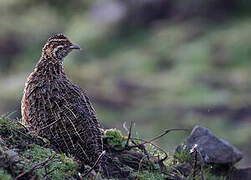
(58, 110)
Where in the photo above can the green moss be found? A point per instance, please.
(15, 137)
(115, 138)
(182, 155)
(154, 151)
(4, 125)
(4, 175)
(61, 166)
(207, 175)
(146, 175)
(9, 130)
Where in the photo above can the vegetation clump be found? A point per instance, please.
(115, 138)
(4, 175)
(24, 155)
(60, 166)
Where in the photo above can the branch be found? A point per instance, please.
(202, 164)
(36, 166)
(129, 134)
(95, 164)
(196, 150)
(164, 133)
(148, 142)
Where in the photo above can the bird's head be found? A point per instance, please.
(57, 47)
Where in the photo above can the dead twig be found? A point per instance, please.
(140, 146)
(124, 126)
(148, 142)
(155, 138)
(21, 124)
(129, 134)
(95, 164)
(195, 164)
(202, 165)
(140, 162)
(36, 166)
(164, 133)
(197, 152)
(49, 172)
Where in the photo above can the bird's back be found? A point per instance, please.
(60, 111)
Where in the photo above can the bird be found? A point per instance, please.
(55, 108)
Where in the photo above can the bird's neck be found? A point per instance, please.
(48, 67)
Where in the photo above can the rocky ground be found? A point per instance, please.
(23, 155)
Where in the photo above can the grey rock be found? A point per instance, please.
(212, 148)
(241, 174)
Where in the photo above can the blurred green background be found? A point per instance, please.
(160, 63)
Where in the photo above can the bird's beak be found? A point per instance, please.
(74, 46)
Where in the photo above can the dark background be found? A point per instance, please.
(160, 63)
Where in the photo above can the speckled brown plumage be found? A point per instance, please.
(58, 110)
